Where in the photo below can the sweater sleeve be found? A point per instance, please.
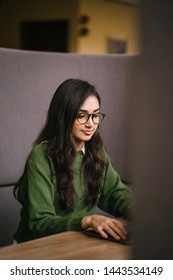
(43, 217)
(116, 198)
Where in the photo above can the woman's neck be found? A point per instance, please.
(79, 146)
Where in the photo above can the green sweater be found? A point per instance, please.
(42, 215)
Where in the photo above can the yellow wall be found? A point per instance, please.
(106, 20)
(12, 12)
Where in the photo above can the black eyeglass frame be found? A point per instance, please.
(92, 117)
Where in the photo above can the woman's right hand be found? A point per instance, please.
(104, 226)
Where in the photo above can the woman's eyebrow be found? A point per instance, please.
(85, 111)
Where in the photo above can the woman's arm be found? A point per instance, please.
(41, 199)
(116, 198)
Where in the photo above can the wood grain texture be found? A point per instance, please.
(67, 246)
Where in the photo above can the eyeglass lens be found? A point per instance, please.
(96, 118)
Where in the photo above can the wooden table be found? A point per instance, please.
(69, 245)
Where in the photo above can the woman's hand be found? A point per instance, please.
(104, 226)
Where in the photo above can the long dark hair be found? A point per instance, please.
(63, 110)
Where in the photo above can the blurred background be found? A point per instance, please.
(75, 26)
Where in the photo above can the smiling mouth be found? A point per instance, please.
(87, 132)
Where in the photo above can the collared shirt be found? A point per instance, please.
(83, 149)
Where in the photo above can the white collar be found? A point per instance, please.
(83, 149)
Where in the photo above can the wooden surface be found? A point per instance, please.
(69, 245)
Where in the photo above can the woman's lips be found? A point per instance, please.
(87, 132)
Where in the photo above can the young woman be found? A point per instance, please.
(68, 173)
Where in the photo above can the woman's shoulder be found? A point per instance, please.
(37, 151)
(105, 155)
(39, 161)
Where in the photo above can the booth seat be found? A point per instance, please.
(28, 81)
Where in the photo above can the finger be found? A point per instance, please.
(120, 226)
(120, 233)
(115, 232)
(101, 231)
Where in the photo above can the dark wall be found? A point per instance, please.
(154, 134)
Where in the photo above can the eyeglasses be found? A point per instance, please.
(96, 117)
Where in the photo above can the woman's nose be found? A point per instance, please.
(89, 121)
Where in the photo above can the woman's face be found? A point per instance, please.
(84, 131)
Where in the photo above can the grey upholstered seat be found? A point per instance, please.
(9, 215)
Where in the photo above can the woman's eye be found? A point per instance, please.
(81, 116)
(95, 116)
